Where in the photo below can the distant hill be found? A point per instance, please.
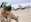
(22, 4)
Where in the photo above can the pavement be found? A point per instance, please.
(23, 15)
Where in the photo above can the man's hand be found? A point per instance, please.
(14, 17)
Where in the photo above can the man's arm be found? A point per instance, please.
(0, 20)
(14, 17)
(0, 16)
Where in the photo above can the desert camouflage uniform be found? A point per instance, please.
(9, 17)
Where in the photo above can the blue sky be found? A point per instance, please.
(15, 1)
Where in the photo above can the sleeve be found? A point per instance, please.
(14, 17)
(0, 19)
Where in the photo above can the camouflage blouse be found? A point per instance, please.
(9, 17)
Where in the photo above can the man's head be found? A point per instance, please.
(6, 7)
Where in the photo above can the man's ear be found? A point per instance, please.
(2, 10)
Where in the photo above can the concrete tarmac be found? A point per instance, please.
(23, 15)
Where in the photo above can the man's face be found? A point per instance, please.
(7, 12)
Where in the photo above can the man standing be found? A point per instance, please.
(6, 14)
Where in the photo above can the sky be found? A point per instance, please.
(15, 1)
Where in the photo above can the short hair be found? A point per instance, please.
(5, 7)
